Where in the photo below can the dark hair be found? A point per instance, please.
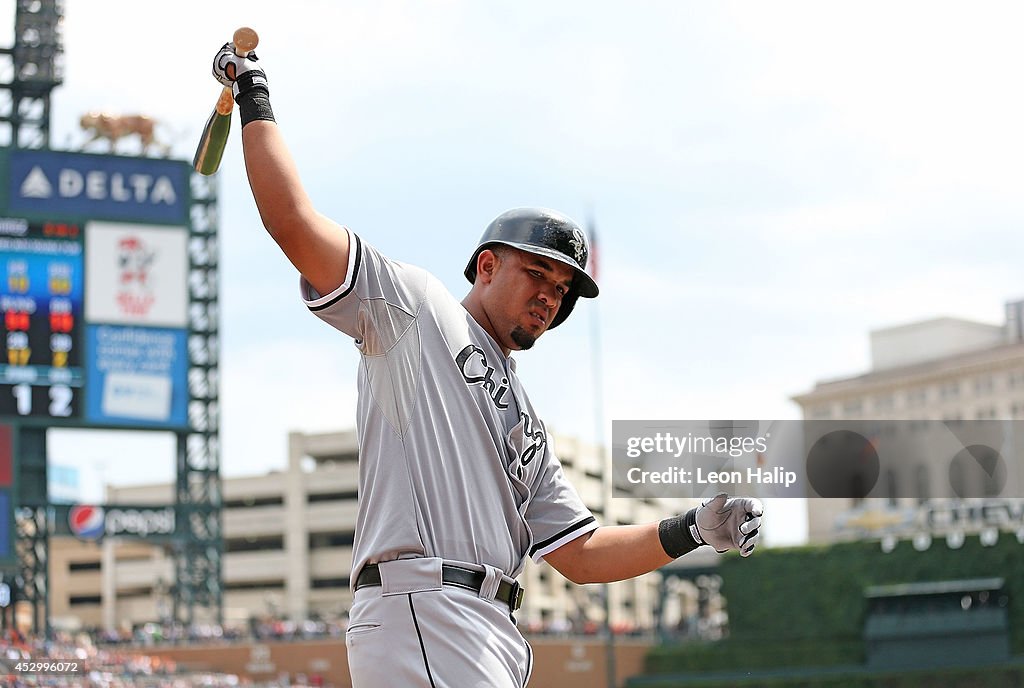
(503, 251)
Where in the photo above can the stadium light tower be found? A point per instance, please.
(184, 217)
(29, 71)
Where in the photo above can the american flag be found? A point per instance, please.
(594, 251)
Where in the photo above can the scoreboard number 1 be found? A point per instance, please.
(23, 397)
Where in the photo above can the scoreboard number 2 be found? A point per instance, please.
(60, 401)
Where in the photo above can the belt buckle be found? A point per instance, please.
(515, 600)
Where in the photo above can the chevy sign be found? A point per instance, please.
(55, 184)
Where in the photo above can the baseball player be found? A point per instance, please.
(458, 482)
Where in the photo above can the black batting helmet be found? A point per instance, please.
(545, 233)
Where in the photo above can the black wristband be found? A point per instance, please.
(676, 534)
(253, 97)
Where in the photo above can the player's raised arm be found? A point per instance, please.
(613, 553)
(316, 246)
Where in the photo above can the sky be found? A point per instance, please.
(769, 182)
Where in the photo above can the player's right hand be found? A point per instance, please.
(237, 73)
(730, 523)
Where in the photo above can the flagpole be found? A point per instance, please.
(604, 455)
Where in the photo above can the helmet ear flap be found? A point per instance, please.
(568, 303)
(470, 271)
(481, 263)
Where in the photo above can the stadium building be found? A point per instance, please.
(288, 551)
(945, 369)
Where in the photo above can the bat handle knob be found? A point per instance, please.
(245, 40)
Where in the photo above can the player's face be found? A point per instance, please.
(530, 289)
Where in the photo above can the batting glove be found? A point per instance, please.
(729, 523)
(240, 74)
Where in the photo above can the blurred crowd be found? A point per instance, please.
(283, 630)
(580, 627)
(256, 630)
(104, 667)
(116, 659)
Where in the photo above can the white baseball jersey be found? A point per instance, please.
(453, 460)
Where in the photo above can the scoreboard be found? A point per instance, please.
(94, 290)
(41, 302)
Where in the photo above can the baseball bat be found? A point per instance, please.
(215, 134)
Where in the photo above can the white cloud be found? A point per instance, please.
(924, 81)
(298, 384)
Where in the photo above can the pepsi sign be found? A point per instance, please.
(91, 522)
(86, 522)
(62, 184)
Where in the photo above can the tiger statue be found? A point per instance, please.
(113, 128)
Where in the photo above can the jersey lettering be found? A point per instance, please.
(469, 361)
(535, 439)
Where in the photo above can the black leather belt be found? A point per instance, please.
(509, 593)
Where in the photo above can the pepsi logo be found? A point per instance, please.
(86, 522)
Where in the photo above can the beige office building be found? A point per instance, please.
(944, 369)
(288, 550)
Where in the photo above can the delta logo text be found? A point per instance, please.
(98, 186)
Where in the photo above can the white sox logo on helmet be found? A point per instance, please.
(579, 246)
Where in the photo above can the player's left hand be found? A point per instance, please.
(730, 523)
(228, 67)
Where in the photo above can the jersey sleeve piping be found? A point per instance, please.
(581, 527)
(352, 273)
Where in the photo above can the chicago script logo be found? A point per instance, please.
(534, 439)
(475, 371)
